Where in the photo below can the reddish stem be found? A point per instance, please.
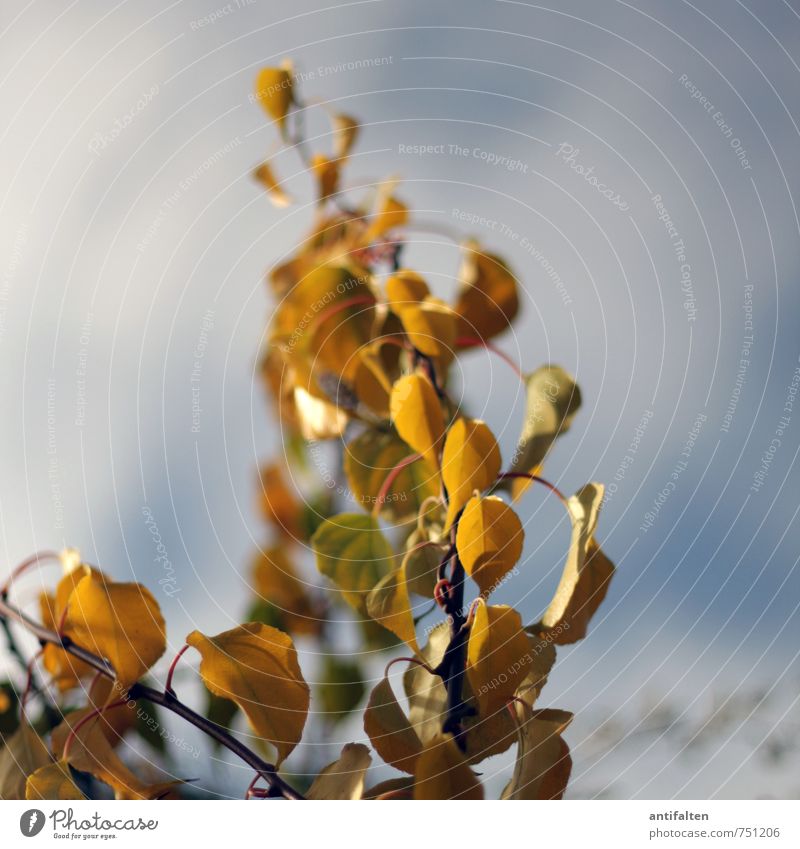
(92, 715)
(25, 565)
(416, 660)
(28, 682)
(390, 479)
(474, 342)
(333, 309)
(171, 671)
(534, 479)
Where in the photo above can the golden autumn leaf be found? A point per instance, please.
(431, 328)
(443, 773)
(344, 778)
(497, 656)
(65, 670)
(345, 133)
(586, 576)
(489, 541)
(417, 415)
(275, 191)
(405, 288)
(543, 762)
(470, 461)
(390, 213)
(120, 622)
(53, 781)
(256, 666)
(352, 551)
(318, 419)
(487, 301)
(280, 504)
(390, 604)
(368, 460)
(552, 400)
(326, 173)
(389, 729)
(274, 92)
(23, 753)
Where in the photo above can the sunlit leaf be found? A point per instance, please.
(443, 773)
(553, 399)
(368, 460)
(120, 622)
(319, 419)
(389, 729)
(543, 762)
(23, 753)
(274, 92)
(586, 576)
(497, 656)
(470, 461)
(405, 288)
(487, 301)
(352, 551)
(256, 667)
(417, 415)
(275, 191)
(431, 328)
(344, 778)
(53, 781)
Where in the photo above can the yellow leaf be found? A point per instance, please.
(553, 399)
(352, 551)
(344, 778)
(489, 541)
(470, 461)
(543, 763)
(345, 133)
(65, 670)
(256, 666)
(390, 213)
(266, 176)
(319, 419)
(417, 415)
(431, 328)
(405, 288)
(274, 93)
(23, 753)
(120, 622)
(368, 460)
(487, 301)
(52, 782)
(497, 656)
(326, 172)
(586, 576)
(443, 773)
(389, 604)
(389, 730)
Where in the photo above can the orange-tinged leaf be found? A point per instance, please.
(586, 576)
(23, 753)
(405, 288)
(352, 551)
(345, 133)
(489, 541)
(431, 328)
(543, 762)
(64, 669)
(389, 729)
(256, 666)
(121, 622)
(443, 773)
(553, 399)
(274, 93)
(390, 213)
(487, 301)
(417, 415)
(497, 656)
(326, 173)
(470, 461)
(344, 778)
(279, 503)
(275, 191)
(53, 781)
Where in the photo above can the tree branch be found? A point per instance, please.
(164, 699)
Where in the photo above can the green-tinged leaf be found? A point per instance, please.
(553, 399)
(543, 762)
(586, 576)
(341, 687)
(23, 753)
(352, 551)
(443, 773)
(470, 461)
(390, 604)
(53, 781)
(369, 459)
(344, 778)
(389, 729)
(256, 666)
(489, 541)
